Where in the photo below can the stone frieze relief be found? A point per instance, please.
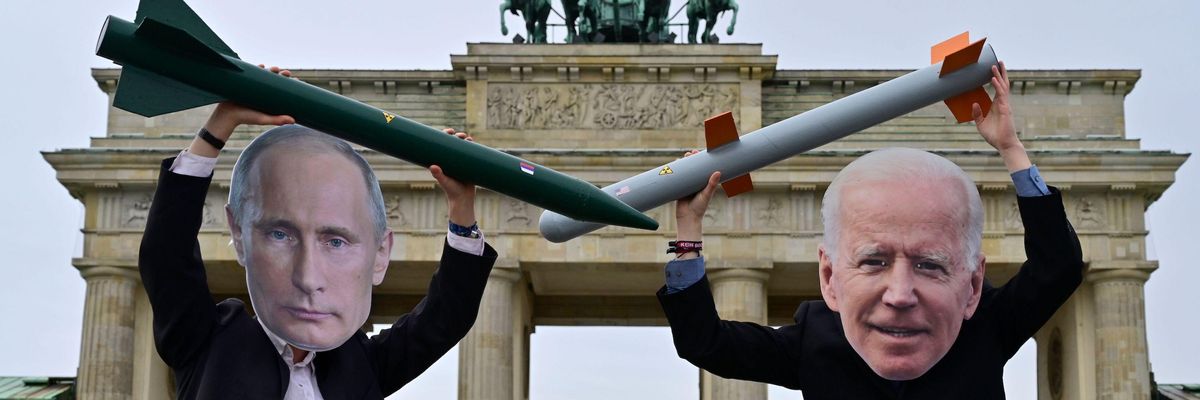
(607, 106)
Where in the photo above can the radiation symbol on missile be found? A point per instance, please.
(666, 170)
(388, 117)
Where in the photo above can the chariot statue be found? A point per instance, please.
(618, 21)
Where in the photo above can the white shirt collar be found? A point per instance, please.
(284, 350)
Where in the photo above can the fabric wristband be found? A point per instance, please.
(684, 246)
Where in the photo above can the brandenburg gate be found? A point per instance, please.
(604, 112)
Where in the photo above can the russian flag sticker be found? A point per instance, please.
(527, 168)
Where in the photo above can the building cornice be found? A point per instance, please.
(82, 170)
(107, 78)
(1023, 74)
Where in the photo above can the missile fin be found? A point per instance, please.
(960, 105)
(148, 94)
(177, 14)
(939, 51)
(739, 185)
(962, 58)
(174, 38)
(719, 130)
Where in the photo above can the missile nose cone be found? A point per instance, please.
(622, 214)
(639, 221)
(643, 222)
(550, 228)
(559, 228)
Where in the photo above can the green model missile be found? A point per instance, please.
(172, 61)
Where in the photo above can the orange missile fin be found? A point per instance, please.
(720, 130)
(960, 105)
(739, 185)
(939, 51)
(962, 58)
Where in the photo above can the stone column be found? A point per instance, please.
(522, 331)
(1066, 350)
(741, 295)
(151, 376)
(1122, 362)
(106, 352)
(485, 356)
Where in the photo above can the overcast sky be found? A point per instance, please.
(50, 102)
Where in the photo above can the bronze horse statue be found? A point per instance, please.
(571, 10)
(654, 20)
(709, 10)
(589, 14)
(535, 13)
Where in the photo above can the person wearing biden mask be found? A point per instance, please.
(905, 309)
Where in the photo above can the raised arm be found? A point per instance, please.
(1054, 268)
(169, 259)
(997, 126)
(451, 304)
(730, 349)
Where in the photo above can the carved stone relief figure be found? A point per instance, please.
(395, 216)
(715, 215)
(770, 216)
(518, 213)
(1089, 213)
(209, 217)
(1012, 219)
(607, 106)
(135, 211)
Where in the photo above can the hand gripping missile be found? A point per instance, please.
(959, 72)
(172, 61)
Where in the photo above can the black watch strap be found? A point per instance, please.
(212, 140)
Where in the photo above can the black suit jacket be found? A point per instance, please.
(814, 356)
(220, 352)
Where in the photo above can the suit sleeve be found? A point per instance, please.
(731, 349)
(418, 339)
(1053, 271)
(172, 270)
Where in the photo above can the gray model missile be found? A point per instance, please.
(959, 71)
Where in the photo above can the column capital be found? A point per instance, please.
(90, 268)
(1118, 275)
(508, 269)
(713, 264)
(1103, 271)
(738, 274)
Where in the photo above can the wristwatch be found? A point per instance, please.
(466, 231)
(212, 140)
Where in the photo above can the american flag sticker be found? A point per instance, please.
(623, 190)
(527, 168)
